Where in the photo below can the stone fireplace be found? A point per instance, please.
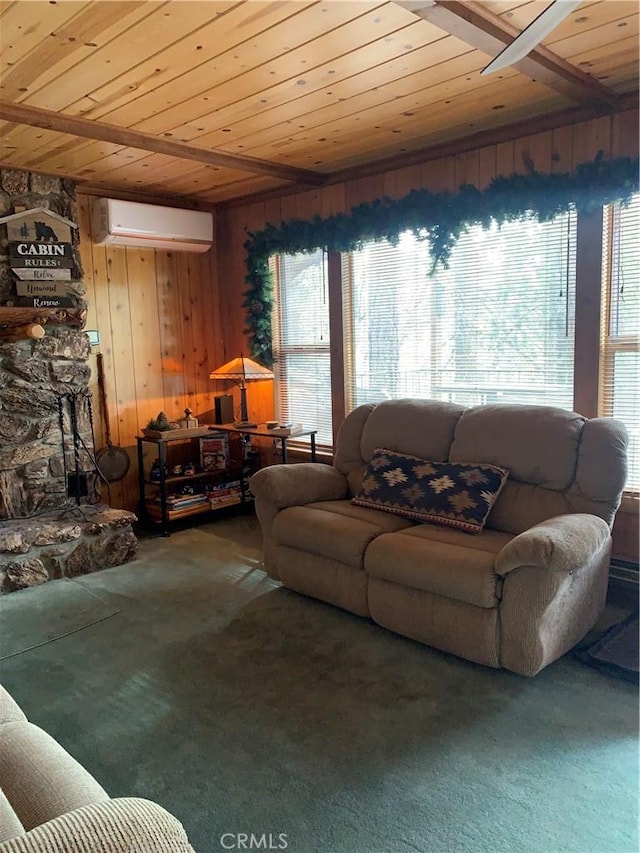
(52, 521)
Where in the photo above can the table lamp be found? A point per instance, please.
(241, 370)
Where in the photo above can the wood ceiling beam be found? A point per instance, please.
(474, 24)
(102, 132)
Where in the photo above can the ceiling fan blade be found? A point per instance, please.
(532, 35)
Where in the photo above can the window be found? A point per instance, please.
(620, 340)
(496, 326)
(302, 367)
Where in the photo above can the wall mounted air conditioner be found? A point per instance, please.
(150, 226)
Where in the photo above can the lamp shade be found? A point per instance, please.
(240, 370)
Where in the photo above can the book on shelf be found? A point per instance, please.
(184, 496)
(223, 493)
(155, 511)
(228, 500)
(188, 510)
(197, 499)
(181, 501)
(234, 487)
(214, 452)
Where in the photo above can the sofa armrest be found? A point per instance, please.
(126, 825)
(560, 544)
(302, 483)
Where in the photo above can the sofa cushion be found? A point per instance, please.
(324, 578)
(602, 468)
(334, 529)
(421, 427)
(385, 522)
(537, 444)
(444, 623)
(456, 495)
(443, 561)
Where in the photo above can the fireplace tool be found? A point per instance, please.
(76, 485)
(112, 462)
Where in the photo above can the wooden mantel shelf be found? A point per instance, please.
(11, 317)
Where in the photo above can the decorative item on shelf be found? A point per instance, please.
(155, 475)
(223, 409)
(188, 422)
(242, 370)
(285, 429)
(189, 469)
(177, 470)
(157, 424)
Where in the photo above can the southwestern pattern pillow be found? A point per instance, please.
(454, 494)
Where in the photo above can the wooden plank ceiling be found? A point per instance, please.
(204, 102)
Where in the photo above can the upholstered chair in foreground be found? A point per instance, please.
(50, 804)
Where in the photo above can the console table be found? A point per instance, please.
(264, 432)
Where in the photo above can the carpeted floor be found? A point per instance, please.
(242, 707)
(64, 608)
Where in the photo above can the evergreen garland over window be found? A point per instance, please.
(439, 218)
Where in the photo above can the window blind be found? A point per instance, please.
(496, 326)
(620, 368)
(301, 344)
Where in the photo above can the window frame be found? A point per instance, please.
(485, 265)
(280, 352)
(612, 345)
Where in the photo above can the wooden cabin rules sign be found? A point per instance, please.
(41, 257)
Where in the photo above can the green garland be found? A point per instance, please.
(438, 218)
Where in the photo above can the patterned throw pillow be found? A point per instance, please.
(455, 494)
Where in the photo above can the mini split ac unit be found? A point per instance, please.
(150, 226)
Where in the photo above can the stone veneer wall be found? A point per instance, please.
(35, 379)
(44, 533)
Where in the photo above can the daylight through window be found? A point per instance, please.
(621, 328)
(495, 327)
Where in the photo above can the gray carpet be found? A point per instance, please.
(55, 611)
(242, 707)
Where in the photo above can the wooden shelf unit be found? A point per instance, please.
(159, 510)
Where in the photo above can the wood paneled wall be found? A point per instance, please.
(158, 314)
